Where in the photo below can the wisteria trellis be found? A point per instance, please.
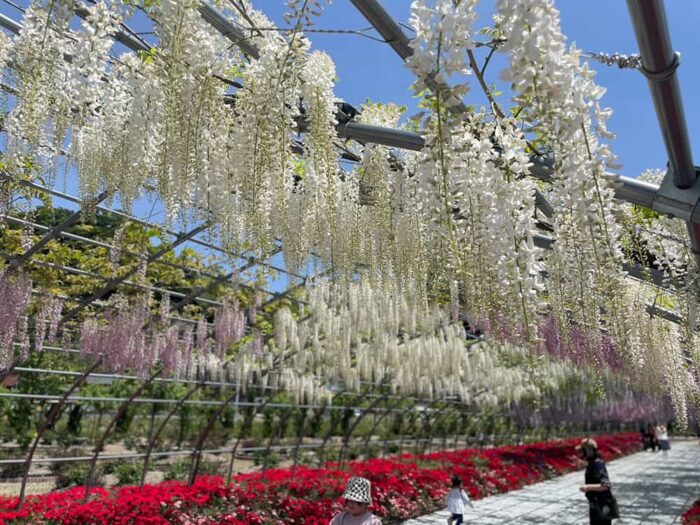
(413, 242)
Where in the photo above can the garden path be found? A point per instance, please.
(651, 489)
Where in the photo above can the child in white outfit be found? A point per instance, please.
(457, 501)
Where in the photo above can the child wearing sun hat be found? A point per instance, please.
(358, 498)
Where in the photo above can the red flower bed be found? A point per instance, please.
(403, 487)
(692, 515)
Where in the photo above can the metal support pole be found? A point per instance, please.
(199, 242)
(352, 428)
(51, 418)
(659, 64)
(228, 30)
(279, 430)
(205, 289)
(375, 424)
(89, 480)
(190, 392)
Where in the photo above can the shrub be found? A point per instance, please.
(178, 469)
(70, 474)
(129, 473)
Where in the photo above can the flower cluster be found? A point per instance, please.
(15, 291)
(692, 515)
(356, 335)
(402, 488)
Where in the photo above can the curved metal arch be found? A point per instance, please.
(413, 420)
(442, 418)
(328, 435)
(455, 414)
(190, 392)
(462, 428)
(377, 422)
(98, 447)
(346, 438)
(53, 416)
(257, 410)
(319, 414)
(431, 421)
(197, 452)
(401, 415)
(283, 420)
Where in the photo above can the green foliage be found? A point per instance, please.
(178, 470)
(267, 459)
(72, 474)
(129, 473)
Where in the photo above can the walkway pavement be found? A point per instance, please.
(651, 489)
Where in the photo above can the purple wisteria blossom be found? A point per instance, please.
(15, 291)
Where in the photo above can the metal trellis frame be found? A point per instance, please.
(100, 244)
(142, 222)
(113, 283)
(103, 439)
(628, 189)
(154, 438)
(85, 273)
(659, 65)
(55, 232)
(53, 415)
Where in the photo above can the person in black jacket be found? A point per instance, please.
(602, 505)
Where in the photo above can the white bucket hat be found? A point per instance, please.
(358, 489)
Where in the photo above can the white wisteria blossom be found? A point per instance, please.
(417, 246)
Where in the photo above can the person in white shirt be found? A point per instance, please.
(662, 436)
(457, 501)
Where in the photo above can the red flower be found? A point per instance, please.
(402, 488)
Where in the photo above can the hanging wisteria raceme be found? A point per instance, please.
(132, 339)
(477, 196)
(5, 49)
(327, 204)
(36, 126)
(665, 240)
(15, 292)
(229, 325)
(46, 321)
(578, 346)
(266, 108)
(570, 408)
(586, 280)
(358, 334)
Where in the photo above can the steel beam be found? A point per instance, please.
(385, 25)
(227, 29)
(659, 64)
(626, 189)
(204, 244)
(124, 35)
(11, 25)
(92, 275)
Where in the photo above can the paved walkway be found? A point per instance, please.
(650, 489)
